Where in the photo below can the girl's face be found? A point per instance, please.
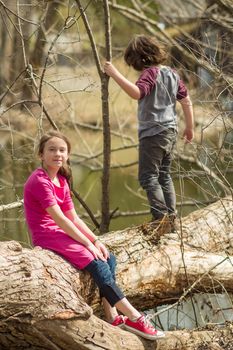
(55, 153)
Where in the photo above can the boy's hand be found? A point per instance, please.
(109, 69)
(188, 135)
(131, 89)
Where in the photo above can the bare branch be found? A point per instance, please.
(9, 206)
(90, 35)
(17, 15)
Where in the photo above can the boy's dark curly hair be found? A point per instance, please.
(143, 51)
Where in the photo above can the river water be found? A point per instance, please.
(125, 193)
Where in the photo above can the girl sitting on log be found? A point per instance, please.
(55, 225)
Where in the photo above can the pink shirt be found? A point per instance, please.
(40, 193)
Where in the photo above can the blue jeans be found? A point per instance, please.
(155, 157)
(103, 274)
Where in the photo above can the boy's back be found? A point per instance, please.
(156, 109)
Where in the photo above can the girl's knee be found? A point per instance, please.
(112, 261)
(112, 258)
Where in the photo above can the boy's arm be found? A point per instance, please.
(131, 89)
(187, 108)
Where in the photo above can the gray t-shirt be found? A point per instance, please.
(160, 87)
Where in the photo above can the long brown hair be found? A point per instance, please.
(144, 51)
(65, 170)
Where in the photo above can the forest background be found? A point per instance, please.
(51, 77)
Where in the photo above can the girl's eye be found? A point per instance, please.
(52, 149)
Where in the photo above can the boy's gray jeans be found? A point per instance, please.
(155, 157)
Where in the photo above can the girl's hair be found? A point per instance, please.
(143, 51)
(65, 170)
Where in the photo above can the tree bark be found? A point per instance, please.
(43, 299)
(104, 79)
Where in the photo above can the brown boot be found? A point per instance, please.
(173, 222)
(162, 226)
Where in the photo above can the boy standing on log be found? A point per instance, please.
(157, 90)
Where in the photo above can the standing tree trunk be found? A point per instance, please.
(105, 219)
(37, 54)
(3, 55)
(13, 47)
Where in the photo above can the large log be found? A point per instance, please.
(43, 299)
(210, 229)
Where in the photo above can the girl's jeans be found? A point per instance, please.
(154, 172)
(103, 274)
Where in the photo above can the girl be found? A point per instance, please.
(55, 225)
(157, 90)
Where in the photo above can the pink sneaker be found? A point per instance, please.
(119, 321)
(143, 327)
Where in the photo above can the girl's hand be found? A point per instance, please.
(96, 252)
(99, 245)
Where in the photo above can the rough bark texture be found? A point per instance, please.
(43, 299)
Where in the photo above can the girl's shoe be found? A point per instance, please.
(143, 327)
(119, 321)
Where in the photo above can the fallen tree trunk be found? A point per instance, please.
(210, 228)
(43, 299)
